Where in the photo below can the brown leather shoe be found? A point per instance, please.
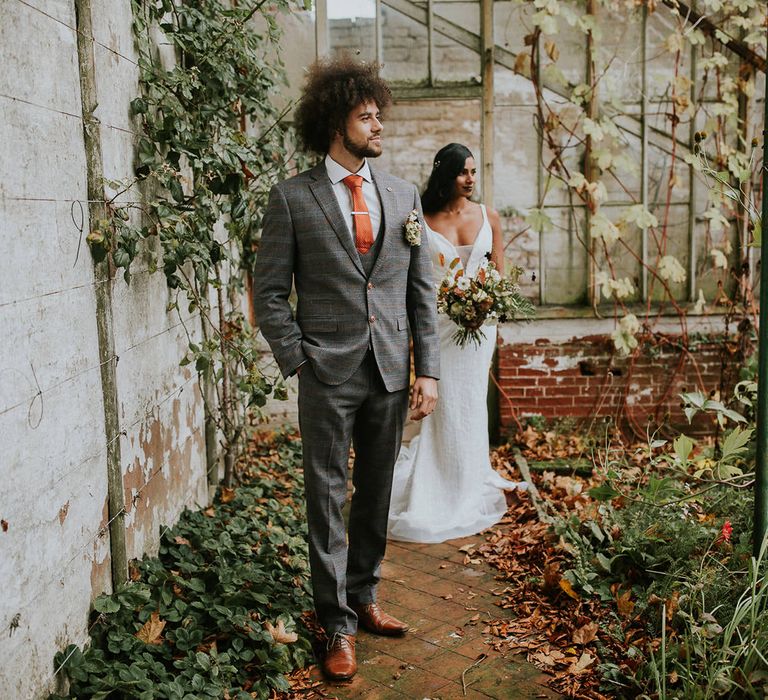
(371, 617)
(340, 663)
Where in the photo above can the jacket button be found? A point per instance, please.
(370, 285)
(372, 318)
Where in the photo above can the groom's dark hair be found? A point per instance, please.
(334, 87)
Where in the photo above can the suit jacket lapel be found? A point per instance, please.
(388, 209)
(324, 194)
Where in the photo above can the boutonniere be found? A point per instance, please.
(413, 228)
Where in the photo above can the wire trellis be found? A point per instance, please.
(77, 31)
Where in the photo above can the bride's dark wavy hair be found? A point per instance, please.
(446, 167)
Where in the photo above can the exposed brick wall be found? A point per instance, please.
(586, 380)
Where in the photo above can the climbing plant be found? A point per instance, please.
(212, 142)
(700, 62)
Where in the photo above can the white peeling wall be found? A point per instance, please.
(54, 544)
(160, 408)
(52, 559)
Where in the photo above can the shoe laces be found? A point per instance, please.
(338, 640)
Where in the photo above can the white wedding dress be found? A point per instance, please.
(444, 486)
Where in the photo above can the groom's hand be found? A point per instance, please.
(423, 397)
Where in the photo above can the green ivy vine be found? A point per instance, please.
(212, 142)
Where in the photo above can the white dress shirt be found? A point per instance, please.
(336, 173)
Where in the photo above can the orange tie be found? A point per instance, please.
(361, 217)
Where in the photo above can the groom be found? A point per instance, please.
(338, 233)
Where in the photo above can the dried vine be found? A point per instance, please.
(584, 129)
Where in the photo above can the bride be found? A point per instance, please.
(444, 486)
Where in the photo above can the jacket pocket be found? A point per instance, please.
(319, 324)
(402, 323)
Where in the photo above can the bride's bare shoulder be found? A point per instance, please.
(493, 216)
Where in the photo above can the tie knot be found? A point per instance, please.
(353, 181)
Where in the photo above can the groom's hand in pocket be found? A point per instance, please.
(423, 397)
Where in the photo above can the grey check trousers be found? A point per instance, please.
(360, 411)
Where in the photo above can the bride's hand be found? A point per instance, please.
(423, 397)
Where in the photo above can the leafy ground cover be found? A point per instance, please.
(632, 580)
(216, 613)
(636, 580)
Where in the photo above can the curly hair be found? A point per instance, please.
(448, 164)
(334, 87)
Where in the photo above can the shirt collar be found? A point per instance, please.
(336, 172)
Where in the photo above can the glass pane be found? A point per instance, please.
(572, 47)
(299, 28)
(660, 162)
(620, 260)
(352, 27)
(619, 54)
(516, 158)
(454, 62)
(622, 174)
(665, 65)
(663, 243)
(565, 258)
(511, 89)
(521, 248)
(405, 48)
(713, 250)
(415, 131)
(511, 22)
(565, 136)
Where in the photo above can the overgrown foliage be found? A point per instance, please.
(215, 614)
(211, 145)
(698, 123)
(667, 537)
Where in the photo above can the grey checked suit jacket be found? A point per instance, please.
(306, 242)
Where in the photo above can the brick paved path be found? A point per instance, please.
(446, 604)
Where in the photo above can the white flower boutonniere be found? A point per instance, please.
(413, 228)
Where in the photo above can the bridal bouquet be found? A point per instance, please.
(471, 301)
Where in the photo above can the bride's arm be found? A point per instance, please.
(497, 249)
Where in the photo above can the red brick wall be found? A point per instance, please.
(585, 379)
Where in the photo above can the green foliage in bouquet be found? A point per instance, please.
(471, 301)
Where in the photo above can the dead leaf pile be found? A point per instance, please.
(303, 687)
(548, 444)
(563, 634)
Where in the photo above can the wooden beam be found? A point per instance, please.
(94, 164)
(590, 173)
(487, 124)
(379, 34)
(449, 91)
(430, 43)
(644, 155)
(322, 35)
